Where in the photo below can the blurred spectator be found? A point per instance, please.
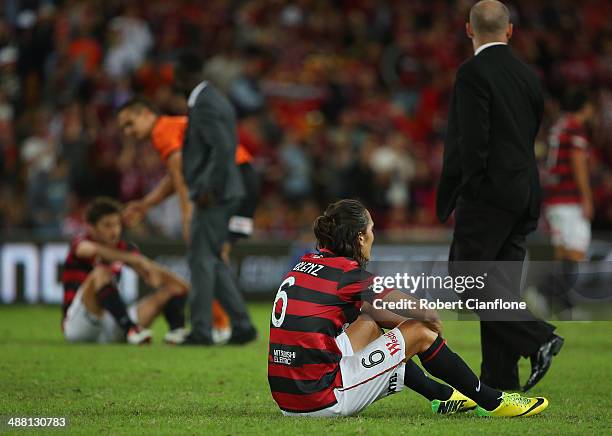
(336, 99)
(130, 40)
(297, 176)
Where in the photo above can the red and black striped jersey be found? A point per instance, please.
(76, 269)
(560, 185)
(318, 297)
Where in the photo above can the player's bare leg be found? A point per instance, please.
(169, 298)
(152, 305)
(363, 331)
(98, 278)
(552, 293)
(569, 258)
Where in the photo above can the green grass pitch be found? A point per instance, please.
(117, 389)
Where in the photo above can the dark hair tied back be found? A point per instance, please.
(339, 227)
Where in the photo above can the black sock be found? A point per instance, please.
(174, 312)
(417, 380)
(440, 361)
(557, 285)
(109, 298)
(570, 274)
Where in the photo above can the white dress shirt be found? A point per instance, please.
(490, 44)
(193, 96)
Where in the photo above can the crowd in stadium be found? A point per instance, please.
(335, 99)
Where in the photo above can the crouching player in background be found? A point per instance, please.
(328, 356)
(93, 309)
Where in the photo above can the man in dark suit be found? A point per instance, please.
(216, 188)
(490, 179)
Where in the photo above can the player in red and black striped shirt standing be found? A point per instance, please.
(93, 309)
(568, 201)
(327, 354)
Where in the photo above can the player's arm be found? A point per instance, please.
(163, 190)
(136, 210)
(580, 169)
(157, 276)
(175, 170)
(89, 249)
(429, 316)
(152, 273)
(357, 285)
(383, 317)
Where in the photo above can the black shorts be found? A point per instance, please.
(241, 224)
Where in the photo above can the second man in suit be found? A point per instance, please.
(490, 179)
(216, 188)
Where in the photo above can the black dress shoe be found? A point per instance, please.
(191, 340)
(541, 361)
(241, 337)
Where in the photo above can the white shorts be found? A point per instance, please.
(241, 225)
(82, 326)
(367, 376)
(568, 227)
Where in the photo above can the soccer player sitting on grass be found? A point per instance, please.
(93, 309)
(327, 354)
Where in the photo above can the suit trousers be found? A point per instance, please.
(486, 233)
(210, 276)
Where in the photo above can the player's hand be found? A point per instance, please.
(155, 278)
(435, 326)
(433, 321)
(587, 208)
(206, 199)
(151, 272)
(134, 212)
(187, 224)
(186, 231)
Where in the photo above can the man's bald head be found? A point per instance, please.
(489, 18)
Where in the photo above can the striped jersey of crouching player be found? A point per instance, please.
(328, 353)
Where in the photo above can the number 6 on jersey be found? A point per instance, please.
(281, 295)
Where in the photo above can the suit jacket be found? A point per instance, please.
(209, 149)
(494, 116)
